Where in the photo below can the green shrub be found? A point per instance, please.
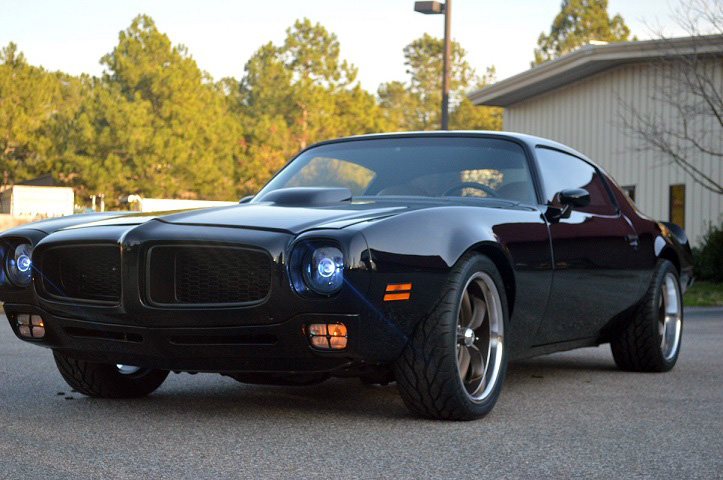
(708, 257)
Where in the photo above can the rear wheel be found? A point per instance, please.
(454, 365)
(651, 341)
(107, 380)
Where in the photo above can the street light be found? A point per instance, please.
(434, 8)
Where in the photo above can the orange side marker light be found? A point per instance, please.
(399, 287)
(390, 297)
(403, 290)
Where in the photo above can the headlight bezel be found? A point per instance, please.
(17, 263)
(306, 256)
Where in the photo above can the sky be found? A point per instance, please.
(221, 35)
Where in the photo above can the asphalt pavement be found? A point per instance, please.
(567, 415)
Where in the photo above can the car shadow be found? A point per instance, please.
(226, 397)
(220, 397)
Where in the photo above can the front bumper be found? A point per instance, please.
(281, 347)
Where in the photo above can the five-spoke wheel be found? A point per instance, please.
(480, 331)
(670, 316)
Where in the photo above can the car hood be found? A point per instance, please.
(261, 216)
(269, 216)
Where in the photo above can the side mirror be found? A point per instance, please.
(569, 199)
(574, 197)
(247, 199)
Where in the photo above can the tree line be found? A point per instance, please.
(154, 124)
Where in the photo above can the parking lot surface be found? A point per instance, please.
(565, 415)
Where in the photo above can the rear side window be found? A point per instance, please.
(560, 171)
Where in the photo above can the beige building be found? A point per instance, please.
(599, 98)
(28, 201)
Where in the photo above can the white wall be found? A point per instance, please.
(167, 204)
(32, 201)
(587, 115)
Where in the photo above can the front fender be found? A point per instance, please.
(421, 247)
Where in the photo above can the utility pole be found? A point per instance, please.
(437, 8)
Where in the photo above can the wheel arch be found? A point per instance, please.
(501, 260)
(668, 253)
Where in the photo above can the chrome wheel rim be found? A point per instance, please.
(480, 329)
(127, 369)
(670, 318)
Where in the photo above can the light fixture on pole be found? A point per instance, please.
(435, 8)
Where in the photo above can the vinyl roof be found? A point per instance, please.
(588, 60)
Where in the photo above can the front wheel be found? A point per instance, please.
(106, 380)
(454, 365)
(651, 341)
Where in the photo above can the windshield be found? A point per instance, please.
(420, 166)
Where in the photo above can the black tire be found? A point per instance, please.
(428, 373)
(105, 380)
(639, 346)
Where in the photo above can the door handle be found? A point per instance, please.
(633, 240)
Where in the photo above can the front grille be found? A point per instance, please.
(208, 275)
(86, 273)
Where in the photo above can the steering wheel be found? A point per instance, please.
(477, 186)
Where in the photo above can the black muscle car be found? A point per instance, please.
(430, 259)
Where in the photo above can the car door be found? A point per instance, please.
(593, 249)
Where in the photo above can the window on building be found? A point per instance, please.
(629, 191)
(677, 205)
(561, 171)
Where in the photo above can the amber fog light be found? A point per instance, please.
(328, 336)
(30, 326)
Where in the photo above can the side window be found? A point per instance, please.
(561, 171)
(629, 191)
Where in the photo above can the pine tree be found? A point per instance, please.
(296, 94)
(578, 22)
(154, 125)
(416, 105)
(28, 98)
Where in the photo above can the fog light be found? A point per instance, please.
(337, 330)
(337, 343)
(30, 326)
(320, 342)
(317, 329)
(327, 336)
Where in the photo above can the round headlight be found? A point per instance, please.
(19, 265)
(324, 270)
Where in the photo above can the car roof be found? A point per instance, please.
(531, 140)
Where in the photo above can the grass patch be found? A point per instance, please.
(704, 294)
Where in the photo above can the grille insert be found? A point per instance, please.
(82, 273)
(102, 334)
(208, 275)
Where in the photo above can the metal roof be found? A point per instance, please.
(588, 60)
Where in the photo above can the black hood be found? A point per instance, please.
(261, 216)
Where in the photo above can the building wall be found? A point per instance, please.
(588, 115)
(33, 201)
(167, 204)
